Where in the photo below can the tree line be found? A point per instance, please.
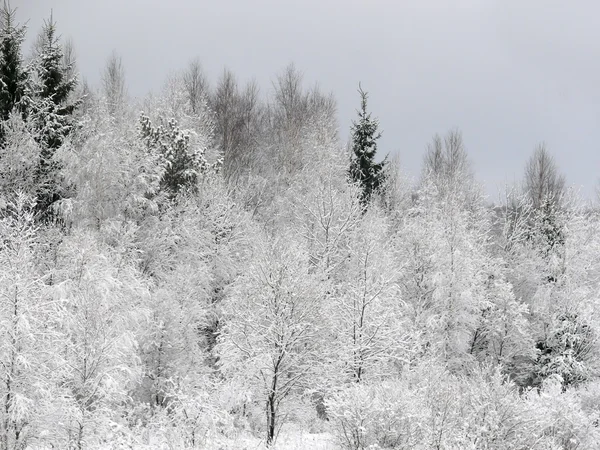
(206, 263)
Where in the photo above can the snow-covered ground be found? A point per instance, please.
(288, 441)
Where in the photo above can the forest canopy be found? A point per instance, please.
(211, 267)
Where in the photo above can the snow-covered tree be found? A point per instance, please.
(113, 84)
(13, 73)
(196, 86)
(365, 307)
(113, 178)
(447, 166)
(54, 85)
(182, 155)
(542, 182)
(443, 247)
(272, 319)
(363, 168)
(52, 113)
(19, 157)
(503, 333)
(104, 305)
(324, 208)
(563, 303)
(28, 317)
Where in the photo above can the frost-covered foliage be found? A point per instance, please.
(42, 95)
(182, 158)
(27, 328)
(18, 157)
(430, 408)
(272, 323)
(154, 297)
(103, 303)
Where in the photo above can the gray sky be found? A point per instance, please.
(508, 73)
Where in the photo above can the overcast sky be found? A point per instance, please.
(509, 74)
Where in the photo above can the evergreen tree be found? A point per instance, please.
(363, 168)
(13, 74)
(52, 110)
(54, 89)
(182, 161)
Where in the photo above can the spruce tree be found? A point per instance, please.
(363, 168)
(13, 74)
(51, 110)
(54, 89)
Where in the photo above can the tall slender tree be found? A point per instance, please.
(51, 111)
(545, 188)
(363, 168)
(55, 85)
(13, 73)
(113, 83)
(542, 182)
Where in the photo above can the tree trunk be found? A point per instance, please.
(271, 415)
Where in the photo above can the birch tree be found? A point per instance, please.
(365, 307)
(103, 301)
(27, 330)
(272, 320)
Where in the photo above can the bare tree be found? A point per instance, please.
(457, 163)
(196, 85)
(249, 121)
(321, 105)
(290, 100)
(250, 103)
(69, 59)
(224, 103)
(292, 111)
(396, 195)
(238, 123)
(113, 81)
(447, 162)
(542, 181)
(293, 106)
(88, 96)
(434, 156)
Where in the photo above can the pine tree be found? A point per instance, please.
(182, 162)
(13, 74)
(363, 168)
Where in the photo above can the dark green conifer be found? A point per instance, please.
(363, 168)
(13, 73)
(51, 111)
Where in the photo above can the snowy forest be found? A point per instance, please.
(212, 266)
